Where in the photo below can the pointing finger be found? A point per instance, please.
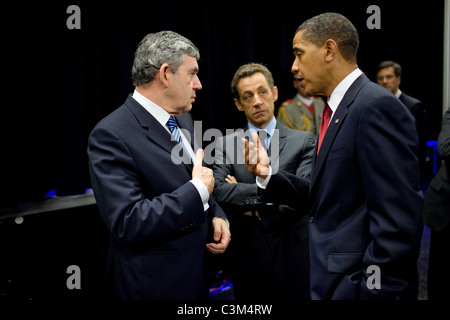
(198, 157)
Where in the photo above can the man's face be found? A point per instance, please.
(183, 86)
(386, 77)
(256, 99)
(309, 65)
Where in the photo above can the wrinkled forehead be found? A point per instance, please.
(255, 81)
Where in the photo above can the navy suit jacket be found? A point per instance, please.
(365, 199)
(158, 225)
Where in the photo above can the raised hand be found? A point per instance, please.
(255, 157)
(203, 173)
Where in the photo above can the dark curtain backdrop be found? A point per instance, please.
(61, 82)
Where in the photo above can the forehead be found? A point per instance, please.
(299, 43)
(253, 82)
(189, 63)
(387, 70)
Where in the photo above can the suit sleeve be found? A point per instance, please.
(239, 196)
(387, 148)
(289, 188)
(129, 214)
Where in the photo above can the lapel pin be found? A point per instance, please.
(337, 121)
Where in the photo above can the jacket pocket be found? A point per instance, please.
(344, 262)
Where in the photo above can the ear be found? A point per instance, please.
(164, 75)
(331, 50)
(238, 104)
(275, 93)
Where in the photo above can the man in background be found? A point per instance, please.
(389, 76)
(268, 257)
(303, 112)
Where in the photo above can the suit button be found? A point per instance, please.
(311, 220)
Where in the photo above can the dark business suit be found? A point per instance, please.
(268, 256)
(436, 214)
(155, 215)
(365, 199)
(436, 210)
(420, 115)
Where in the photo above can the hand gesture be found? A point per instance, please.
(222, 236)
(255, 157)
(203, 173)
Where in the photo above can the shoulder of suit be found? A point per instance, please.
(408, 100)
(114, 117)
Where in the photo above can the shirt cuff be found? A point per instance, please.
(263, 183)
(202, 190)
(228, 223)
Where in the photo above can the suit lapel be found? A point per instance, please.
(155, 131)
(278, 138)
(335, 124)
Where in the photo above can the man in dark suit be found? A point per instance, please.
(389, 75)
(268, 257)
(155, 203)
(365, 198)
(436, 215)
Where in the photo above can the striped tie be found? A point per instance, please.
(173, 127)
(176, 134)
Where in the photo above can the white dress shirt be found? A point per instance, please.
(339, 92)
(162, 116)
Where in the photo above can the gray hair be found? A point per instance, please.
(159, 48)
(333, 26)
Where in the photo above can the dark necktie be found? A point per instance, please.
(264, 138)
(326, 115)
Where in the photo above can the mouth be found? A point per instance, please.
(299, 78)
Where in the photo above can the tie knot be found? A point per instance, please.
(327, 111)
(172, 124)
(264, 133)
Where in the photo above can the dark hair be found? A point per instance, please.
(390, 63)
(248, 70)
(333, 26)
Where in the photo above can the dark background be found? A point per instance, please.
(59, 83)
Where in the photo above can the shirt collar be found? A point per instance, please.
(308, 101)
(398, 93)
(338, 93)
(156, 111)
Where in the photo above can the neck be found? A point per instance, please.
(339, 74)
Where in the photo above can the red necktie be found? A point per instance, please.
(326, 115)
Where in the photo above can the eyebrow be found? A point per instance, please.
(259, 88)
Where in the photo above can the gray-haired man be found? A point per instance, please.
(159, 213)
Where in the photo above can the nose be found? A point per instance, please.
(197, 85)
(257, 100)
(294, 67)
